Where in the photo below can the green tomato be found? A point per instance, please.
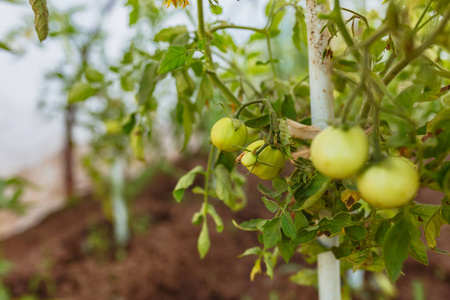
(224, 134)
(390, 183)
(338, 152)
(273, 157)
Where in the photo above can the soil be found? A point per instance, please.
(54, 259)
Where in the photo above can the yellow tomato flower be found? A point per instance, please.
(176, 3)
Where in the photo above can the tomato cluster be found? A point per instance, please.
(343, 152)
(227, 133)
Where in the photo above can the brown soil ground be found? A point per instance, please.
(53, 261)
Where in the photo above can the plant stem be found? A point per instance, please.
(269, 48)
(207, 175)
(244, 105)
(409, 57)
(230, 26)
(421, 17)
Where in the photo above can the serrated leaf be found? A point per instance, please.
(356, 232)
(287, 250)
(395, 248)
(186, 181)
(288, 226)
(203, 242)
(307, 195)
(272, 232)
(432, 228)
(272, 206)
(423, 212)
(174, 58)
(40, 18)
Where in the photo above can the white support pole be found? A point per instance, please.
(322, 112)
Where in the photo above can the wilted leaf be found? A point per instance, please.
(40, 18)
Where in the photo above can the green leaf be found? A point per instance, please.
(173, 35)
(269, 262)
(224, 185)
(134, 13)
(203, 242)
(446, 209)
(137, 143)
(93, 75)
(81, 91)
(287, 250)
(395, 248)
(300, 220)
(5, 46)
(288, 108)
(299, 36)
(288, 225)
(271, 232)
(409, 96)
(213, 213)
(186, 181)
(40, 18)
(147, 84)
(174, 58)
(331, 226)
(205, 92)
(272, 206)
(432, 228)
(418, 252)
(306, 196)
(356, 232)
(215, 9)
(307, 277)
(252, 225)
(381, 232)
(258, 122)
(423, 212)
(306, 235)
(251, 251)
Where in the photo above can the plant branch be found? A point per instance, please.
(409, 57)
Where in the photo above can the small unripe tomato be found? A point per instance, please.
(389, 183)
(340, 152)
(225, 135)
(272, 156)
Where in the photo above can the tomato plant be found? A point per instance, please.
(389, 76)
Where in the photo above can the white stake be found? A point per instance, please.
(322, 112)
